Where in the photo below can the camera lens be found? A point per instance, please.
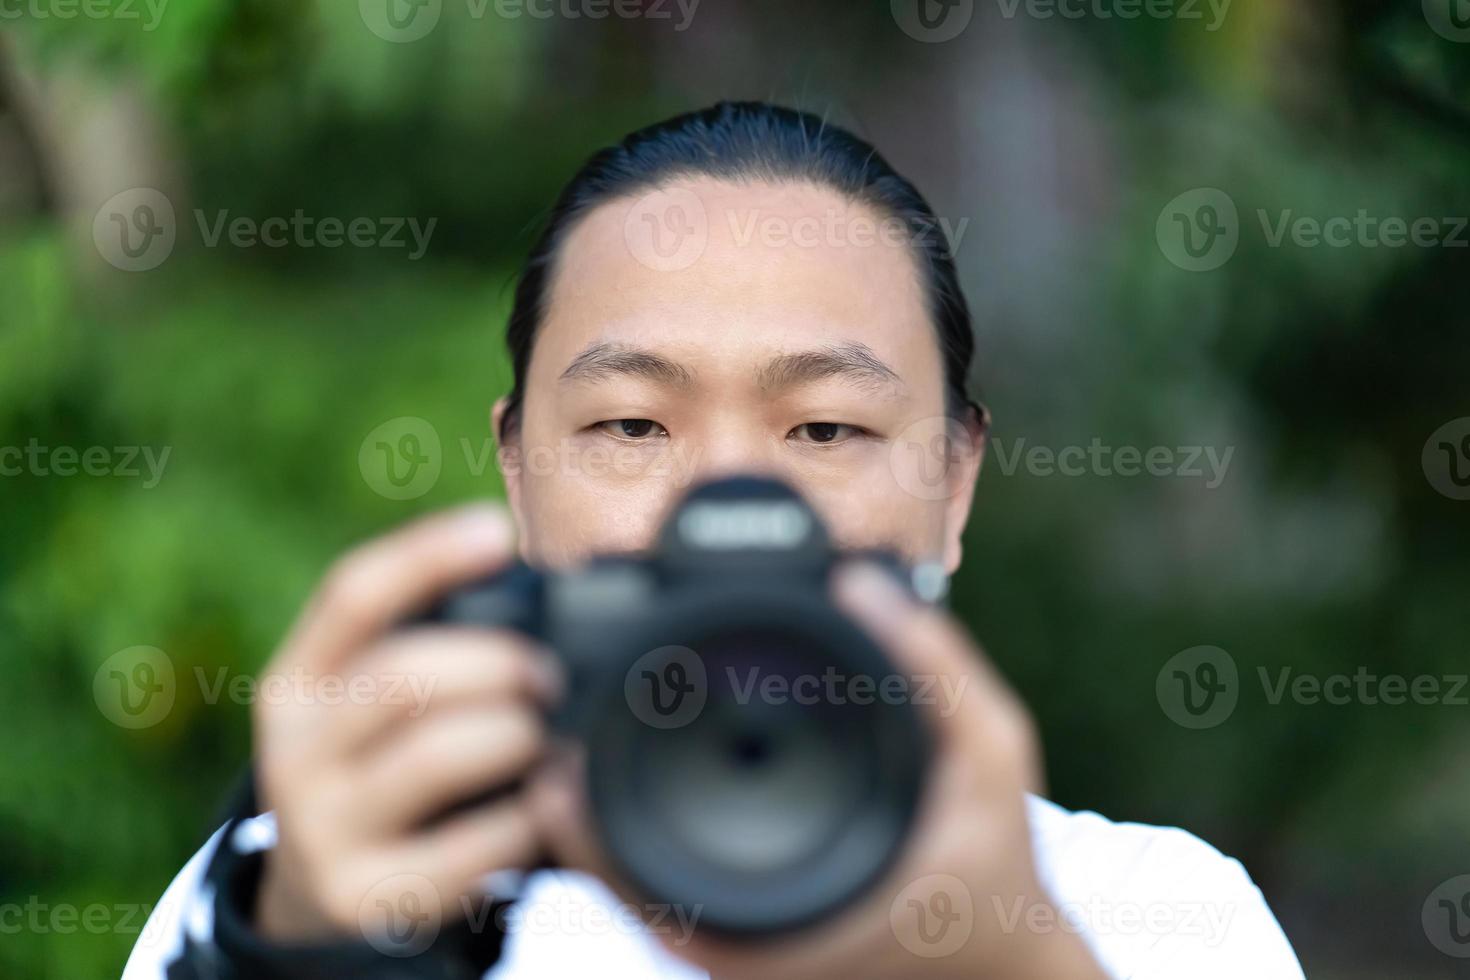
(770, 768)
(787, 783)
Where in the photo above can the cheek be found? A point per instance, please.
(881, 515)
(571, 516)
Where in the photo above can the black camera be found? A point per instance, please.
(751, 754)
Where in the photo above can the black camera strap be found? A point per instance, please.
(232, 949)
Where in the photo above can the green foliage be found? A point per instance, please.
(261, 373)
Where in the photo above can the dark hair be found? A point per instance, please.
(742, 141)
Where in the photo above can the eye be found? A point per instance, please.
(632, 430)
(824, 433)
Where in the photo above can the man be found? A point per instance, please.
(742, 290)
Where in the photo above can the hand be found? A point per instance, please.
(948, 909)
(387, 729)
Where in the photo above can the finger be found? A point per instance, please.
(559, 802)
(386, 580)
(441, 761)
(439, 669)
(964, 689)
(458, 854)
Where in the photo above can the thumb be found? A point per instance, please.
(962, 693)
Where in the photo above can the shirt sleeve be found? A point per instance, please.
(162, 938)
(1156, 903)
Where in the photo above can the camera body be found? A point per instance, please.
(752, 756)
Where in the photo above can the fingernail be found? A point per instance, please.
(871, 595)
(482, 527)
(549, 677)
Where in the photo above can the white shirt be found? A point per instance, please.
(1153, 903)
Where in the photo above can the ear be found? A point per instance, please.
(508, 460)
(972, 436)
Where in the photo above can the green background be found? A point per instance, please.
(1326, 550)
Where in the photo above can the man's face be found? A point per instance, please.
(797, 345)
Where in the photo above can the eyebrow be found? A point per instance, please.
(602, 361)
(852, 362)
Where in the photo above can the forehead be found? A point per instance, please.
(761, 267)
